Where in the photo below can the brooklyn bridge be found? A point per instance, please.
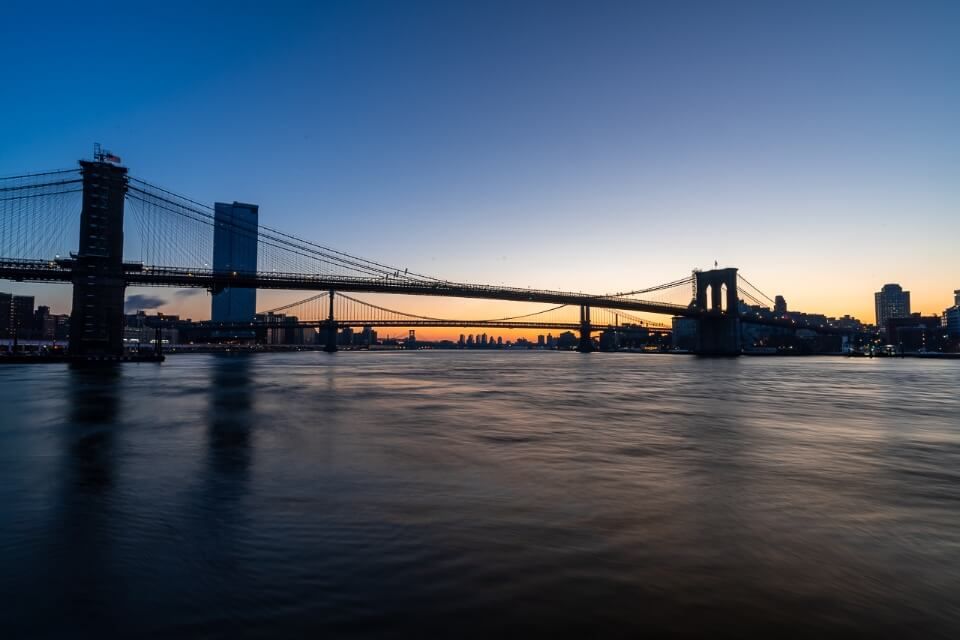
(78, 225)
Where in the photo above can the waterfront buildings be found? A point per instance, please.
(16, 316)
(891, 302)
(567, 340)
(284, 329)
(915, 333)
(19, 320)
(44, 324)
(141, 330)
(684, 333)
(951, 316)
(911, 333)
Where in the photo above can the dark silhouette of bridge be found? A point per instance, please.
(330, 311)
(174, 237)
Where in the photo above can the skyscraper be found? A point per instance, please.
(891, 302)
(780, 305)
(235, 250)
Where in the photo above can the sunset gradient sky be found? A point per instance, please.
(587, 146)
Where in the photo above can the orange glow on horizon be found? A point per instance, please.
(835, 299)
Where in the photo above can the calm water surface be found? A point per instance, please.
(480, 494)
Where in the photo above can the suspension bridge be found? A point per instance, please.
(329, 311)
(82, 226)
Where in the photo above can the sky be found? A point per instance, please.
(584, 146)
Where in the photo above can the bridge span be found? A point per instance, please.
(174, 238)
(65, 270)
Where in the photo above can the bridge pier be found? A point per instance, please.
(586, 344)
(718, 301)
(331, 330)
(96, 320)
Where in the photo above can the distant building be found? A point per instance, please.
(284, 329)
(16, 316)
(141, 330)
(951, 316)
(632, 336)
(44, 324)
(344, 339)
(235, 251)
(567, 340)
(951, 320)
(915, 333)
(609, 340)
(61, 322)
(366, 337)
(780, 305)
(846, 322)
(891, 302)
(684, 334)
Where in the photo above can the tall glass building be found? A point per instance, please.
(891, 302)
(235, 249)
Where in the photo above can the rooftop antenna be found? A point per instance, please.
(97, 152)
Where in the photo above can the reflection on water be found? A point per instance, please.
(94, 393)
(480, 494)
(230, 415)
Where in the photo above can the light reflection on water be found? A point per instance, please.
(379, 494)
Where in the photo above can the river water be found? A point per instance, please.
(480, 494)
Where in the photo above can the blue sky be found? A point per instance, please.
(591, 146)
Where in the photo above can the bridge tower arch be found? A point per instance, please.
(330, 328)
(718, 323)
(585, 344)
(96, 320)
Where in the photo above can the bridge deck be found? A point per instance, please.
(59, 271)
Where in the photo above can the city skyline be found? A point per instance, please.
(577, 149)
(536, 318)
(196, 304)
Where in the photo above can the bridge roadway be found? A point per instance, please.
(140, 275)
(136, 274)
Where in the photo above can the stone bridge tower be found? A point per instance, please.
(96, 321)
(717, 301)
